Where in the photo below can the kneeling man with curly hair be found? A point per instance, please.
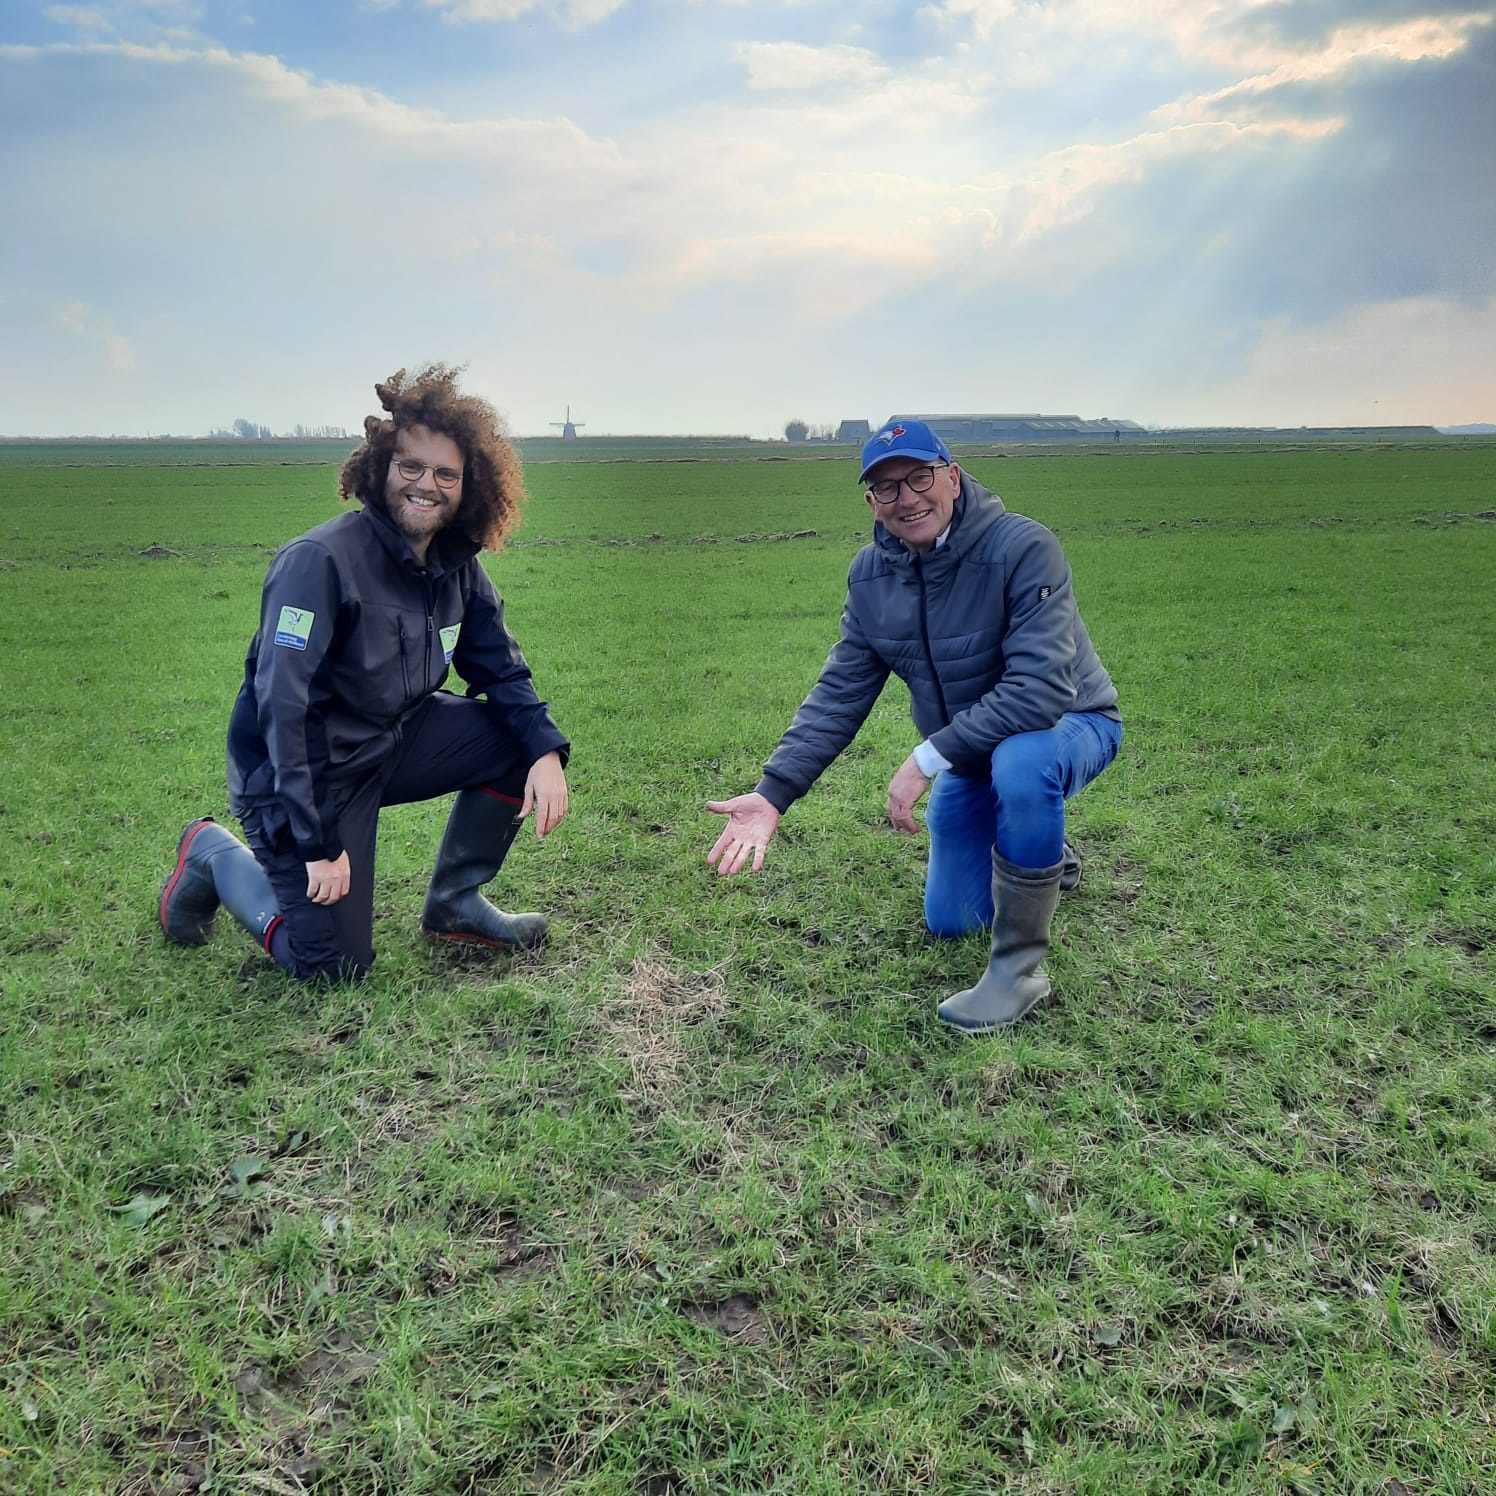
(342, 709)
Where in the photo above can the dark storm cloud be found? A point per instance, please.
(1307, 22)
(1402, 201)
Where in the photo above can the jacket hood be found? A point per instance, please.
(976, 510)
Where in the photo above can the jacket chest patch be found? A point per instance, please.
(449, 640)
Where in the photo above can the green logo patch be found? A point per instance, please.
(449, 640)
(295, 627)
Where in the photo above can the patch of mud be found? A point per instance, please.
(315, 1389)
(666, 1484)
(22, 1204)
(179, 1460)
(516, 1258)
(737, 1317)
(158, 552)
(1471, 941)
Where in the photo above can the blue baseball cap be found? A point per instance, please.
(903, 439)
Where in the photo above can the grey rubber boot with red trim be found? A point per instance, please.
(1024, 902)
(215, 868)
(479, 833)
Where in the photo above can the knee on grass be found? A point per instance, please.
(948, 922)
(324, 968)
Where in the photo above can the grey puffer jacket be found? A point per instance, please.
(983, 630)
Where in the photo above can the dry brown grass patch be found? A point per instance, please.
(647, 1023)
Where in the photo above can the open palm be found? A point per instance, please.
(751, 824)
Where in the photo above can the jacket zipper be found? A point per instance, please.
(430, 629)
(428, 607)
(924, 634)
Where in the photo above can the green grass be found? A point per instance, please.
(701, 1197)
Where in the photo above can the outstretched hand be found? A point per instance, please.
(751, 824)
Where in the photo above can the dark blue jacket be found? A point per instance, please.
(983, 630)
(353, 637)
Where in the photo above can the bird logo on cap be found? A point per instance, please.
(888, 437)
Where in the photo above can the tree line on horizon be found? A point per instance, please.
(252, 431)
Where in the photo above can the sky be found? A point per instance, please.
(714, 216)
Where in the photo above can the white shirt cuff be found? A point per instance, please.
(930, 759)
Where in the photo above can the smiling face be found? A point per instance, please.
(421, 506)
(917, 519)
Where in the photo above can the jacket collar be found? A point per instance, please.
(449, 548)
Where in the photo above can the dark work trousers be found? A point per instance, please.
(448, 743)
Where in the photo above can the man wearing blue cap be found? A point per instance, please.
(972, 608)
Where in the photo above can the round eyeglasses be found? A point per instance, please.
(413, 471)
(916, 480)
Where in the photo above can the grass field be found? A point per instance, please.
(702, 1198)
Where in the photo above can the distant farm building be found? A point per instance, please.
(853, 431)
(1025, 428)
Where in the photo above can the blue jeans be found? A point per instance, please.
(1020, 811)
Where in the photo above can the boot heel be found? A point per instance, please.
(188, 906)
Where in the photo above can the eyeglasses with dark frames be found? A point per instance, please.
(917, 480)
(413, 471)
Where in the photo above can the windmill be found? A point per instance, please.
(568, 426)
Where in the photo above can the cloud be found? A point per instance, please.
(531, 146)
(73, 318)
(125, 15)
(1351, 48)
(78, 320)
(1064, 191)
(791, 66)
(85, 18)
(1280, 39)
(575, 14)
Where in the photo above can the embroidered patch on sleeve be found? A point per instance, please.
(1044, 592)
(294, 628)
(449, 640)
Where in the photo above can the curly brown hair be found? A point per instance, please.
(492, 485)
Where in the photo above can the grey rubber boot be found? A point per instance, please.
(1024, 902)
(479, 833)
(215, 868)
(1071, 868)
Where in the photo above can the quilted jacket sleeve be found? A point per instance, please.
(828, 719)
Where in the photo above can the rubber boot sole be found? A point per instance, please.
(978, 1030)
(453, 937)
